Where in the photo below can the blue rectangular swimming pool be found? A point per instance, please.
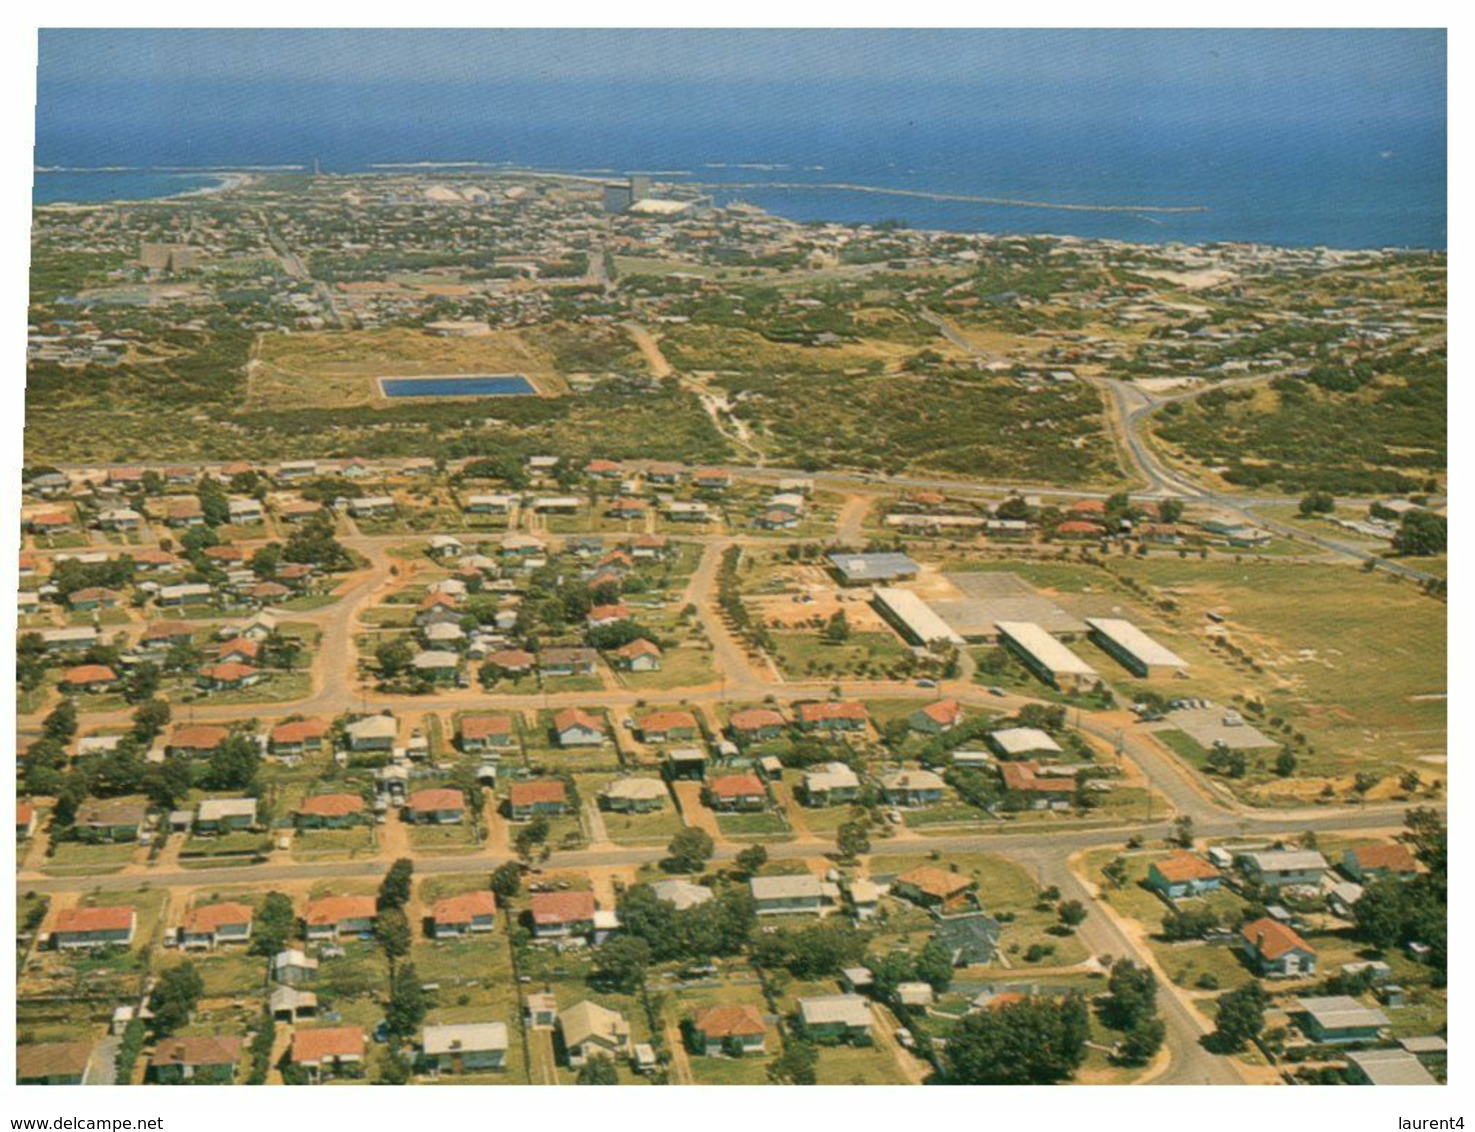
(476, 385)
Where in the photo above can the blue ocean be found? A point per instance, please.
(1353, 180)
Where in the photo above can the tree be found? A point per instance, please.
(1380, 913)
(1037, 1041)
(61, 723)
(1131, 995)
(275, 925)
(408, 1002)
(1072, 914)
(689, 850)
(935, 966)
(620, 964)
(394, 657)
(1183, 832)
(852, 839)
(175, 996)
(751, 859)
(1285, 763)
(393, 1068)
(169, 782)
(149, 720)
(142, 683)
(1240, 1017)
(1170, 510)
(797, 1065)
(233, 764)
(506, 880)
(1143, 1040)
(530, 836)
(1317, 503)
(598, 1070)
(1422, 533)
(394, 889)
(837, 629)
(392, 933)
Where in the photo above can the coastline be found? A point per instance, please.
(224, 181)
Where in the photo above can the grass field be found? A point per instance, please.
(339, 369)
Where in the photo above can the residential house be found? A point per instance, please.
(466, 914)
(796, 894)
(196, 740)
(1338, 1018)
(78, 929)
(225, 815)
(833, 715)
(89, 678)
(575, 727)
(756, 725)
(634, 795)
(463, 1047)
(970, 938)
(732, 792)
(297, 737)
(294, 968)
(110, 819)
(328, 1051)
(206, 1059)
(546, 797)
(558, 915)
(1182, 874)
(935, 888)
(372, 733)
(910, 788)
(937, 718)
(1277, 868)
(478, 733)
(330, 811)
(639, 656)
(329, 917)
(1275, 950)
(1387, 1067)
(1039, 791)
(830, 784)
(53, 1063)
(669, 727)
(435, 807)
(1368, 862)
(590, 1030)
(835, 1018)
(1023, 743)
(207, 927)
(567, 662)
(681, 894)
(734, 1029)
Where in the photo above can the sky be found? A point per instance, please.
(1285, 73)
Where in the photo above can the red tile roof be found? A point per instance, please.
(755, 719)
(1185, 866)
(118, 917)
(84, 674)
(562, 907)
(206, 1049)
(431, 801)
(331, 805)
(1393, 858)
(213, 917)
(310, 1047)
(461, 909)
(736, 786)
(200, 737)
(536, 792)
(830, 709)
(576, 717)
(299, 731)
(941, 883)
(1272, 939)
(336, 909)
(658, 721)
(945, 712)
(485, 726)
(732, 1021)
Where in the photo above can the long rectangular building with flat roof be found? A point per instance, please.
(1138, 652)
(1046, 657)
(917, 621)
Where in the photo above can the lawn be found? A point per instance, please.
(457, 838)
(764, 826)
(78, 858)
(319, 844)
(804, 653)
(685, 667)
